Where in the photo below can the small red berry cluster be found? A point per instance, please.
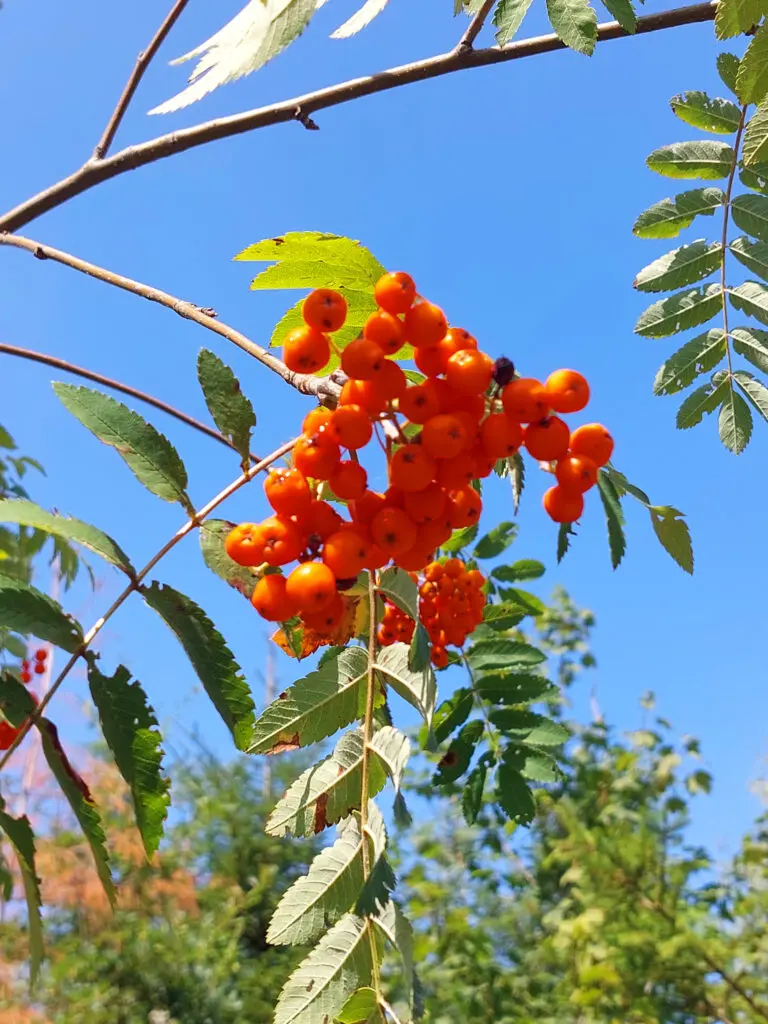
(36, 665)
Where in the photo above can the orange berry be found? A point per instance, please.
(471, 427)
(394, 496)
(271, 601)
(453, 474)
(548, 439)
(426, 505)
(411, 468)
(594, 441)
(364, 508)
(436, 532)
(420, 403)
(311, 586)
(563, 506)
(443, 436)
(576, 473)
(453, 567)
(351, 426)
(439, 657)
(245, 544)
(345, 553)
(476, 578)
(282, 540)
(322, 519)
(362, 359)
(425, 324)
(306, 350)
(349, 480)
(324, 309)
(386, 636)
(395, 292)
(464, 507)
(364, 394)
(469, 371)
(434, 571)
(8, 733)
(391, 382)
(325, 621)
(483, 463)
(386, 330)
(525, 400)
(429, 359)
(501, 436)
(455, 340)
(567, 391)
(415, 558)
(315, 420)
(377, 558)
(316, 456)
(394, 531)
(288, 492)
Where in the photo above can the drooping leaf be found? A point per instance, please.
(453, 712)
(395, 927)
(699, 355)
(673, 533)
(711, 115)
(246, 43)
(517, 478)
(146, 451)
(752, 76)
(681, 267)
(523, 569)
(508, 17)
(530, 728)
(624, 13)
(735, 16)
(231, 411)
(513, 795)
(756, 392)
(503, 653)
(23, 609)
(750, 213)
(213, 535)
(497, 541)
(362, 1007)
(564, 533)
(364, 16)
(130, 728)
(210, 657)
(27, 513)
(472, 794)
(751, 298)
(80, 800)
(459, 754)
(377, 889)
(703, 400)
(339, 964)
(523, 599)
(734, 422)
(614, 518)
(666, 219)
(755, 148)
(575, 22)
(752, 343)
(19, 834)
(393, 748)
(680, 312)
(704, 159)
(396, 585)
(328, 792)
(421, 647)
(512, 687)
(728, 69)
(419, 689)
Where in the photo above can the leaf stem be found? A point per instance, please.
(368, 721)
(724, 252)
(475, 27)
(192, 523)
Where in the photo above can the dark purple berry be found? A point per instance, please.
(503, 371)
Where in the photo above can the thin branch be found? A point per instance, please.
(193, 523)
(724, 253)
(116, 385)
(142, 63)
(475, 27)
(94, 172)
(324, 388)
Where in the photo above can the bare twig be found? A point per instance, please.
(116, 385)
(193, 523)
(475, 27)
(94, 172)
(142, 63)
(326, 389)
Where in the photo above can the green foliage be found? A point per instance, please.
(735, 422)
(145, 450)
(19, 834)
(497, 541)
(231, 411)
(752, 75)
(756, 137)
(575, 21)
(695, 357)
(24, 609)
(703, 159)
(129, 726)
(508, 17)
(666, 219)
(614, 517)
(711, 115)
(213, 535)
(683, 266)
(679, 312)
(210, 657)
(735, 16)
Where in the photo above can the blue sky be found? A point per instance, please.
(509, 193)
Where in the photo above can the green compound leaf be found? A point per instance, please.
(702, 401)
(750, 213)
(735, 16)
(231, 411)
(513, 687)
(728, 69)
(711, 115)
(575, 22)
(129, 726)
(697, 356)
(513, 794)
(754, 255)
(755, 177)
(362, 1007)
(396, 585)
(614, 518)
(452, 713)
(752, 76)
(19, 834)
(686, 265)
(210, 657)
(751, 298)
(27, 513)
(419, 689)
(704, 159)
(755, 391)
(624, 13)
(669, 217)
(473, 792)
(497, 541)
(523, 569)
(508, 17)
(23, 609)
(680, 312)
(752, 343)
(735, 422)
(459, 754)
(673, 533)
(151, 456)
(503, 653)
(461, 539)
(755, 149)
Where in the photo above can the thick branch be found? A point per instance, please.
(326, 389)
(116, 385)
(142, 63)
(164, 146)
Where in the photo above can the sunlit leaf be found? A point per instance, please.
(614, 518)
(699, 355)
(735, 16)
(711, 115)
(752, 343)
(704, 159)
(508, 17)
(752, 76)
(23, 609)
(231, 411)
(750, 213)
(734, 422)
(756, 392)
(755, 149)
(669, 217)
(701, 401)
(680, 312)
(575, 22)
(673, 533)
(751, 298)
(681, 267)
(364, 16)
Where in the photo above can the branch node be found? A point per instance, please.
(306, 120)
(208, 311)
(40, 253)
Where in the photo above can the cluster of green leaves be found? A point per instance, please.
(733, 393)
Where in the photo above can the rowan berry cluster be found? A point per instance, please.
(36, 665)
(439, 436)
